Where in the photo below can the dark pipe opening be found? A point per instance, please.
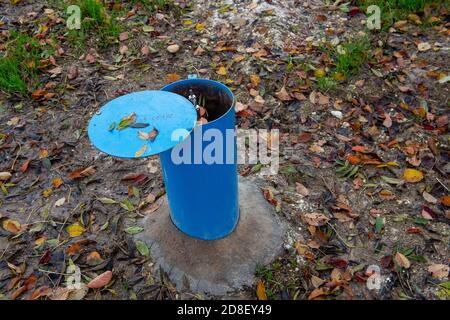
(217, 102)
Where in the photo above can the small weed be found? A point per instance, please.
(350, 57)
(326, 84)
(346, 170)
(347, 60)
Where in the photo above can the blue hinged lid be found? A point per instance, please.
(165, 111)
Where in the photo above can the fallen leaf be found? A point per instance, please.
(43, 291)
(24, 167)
(141, 151)
(439, 271)
(429, 198)
(255, 80)
(60, 202)
(317, 293)
(301, 189)
(283, 95)
(82, 172)
(423, 46)
(101, 280)
(94, 258)
(12, 226)
(401, 260)
(5, 176)
(75, 230)
(221, 71)
(261, 290)
(127, 121)
(172, 77)
(316, 219)
(123, 36)
(412, 175)
(78, 293)
(57, 182)
(238, 107)
(142, 248)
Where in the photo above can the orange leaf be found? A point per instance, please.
(316, 293)
(261, 290)
(83, 172)
(57, 182)
(446, 201)
(40, 292)
(361, 149)
(354, 160)
(24, 166)
(101, 280)
(172, 77)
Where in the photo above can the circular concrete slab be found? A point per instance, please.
(221, 266)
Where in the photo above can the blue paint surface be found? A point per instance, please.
(163, 110)
(203, 198)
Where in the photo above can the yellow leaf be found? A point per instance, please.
(221, 71)
(199, 26)
(412, 175)
(75, 230)
(39, 241)
(12, 226)
(339, 76)
(43, 153)
(255, 80)
(187, 22)
(47, 192)
(141, 151)
(261, 290)
(319, 73)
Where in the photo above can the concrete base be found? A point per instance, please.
(221, 266)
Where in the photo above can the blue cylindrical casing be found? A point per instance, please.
(203, 198)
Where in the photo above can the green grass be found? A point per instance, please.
(352, 56)
(348, 59)
(97, 24)
(326, 84)
(19, 65)
(155, 5)
(395, 10)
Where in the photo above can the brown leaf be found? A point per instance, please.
(40, 292)
(283, 95)
(123, 36)
(317, 293)
(101, 280)
(316, 219)
(24, 167)
(72, 73)
(401, 260)
(439, 271)
(153, 134)
(38, 94)
(82, 172)
(301, 189)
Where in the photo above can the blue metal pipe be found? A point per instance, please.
(203, 198)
